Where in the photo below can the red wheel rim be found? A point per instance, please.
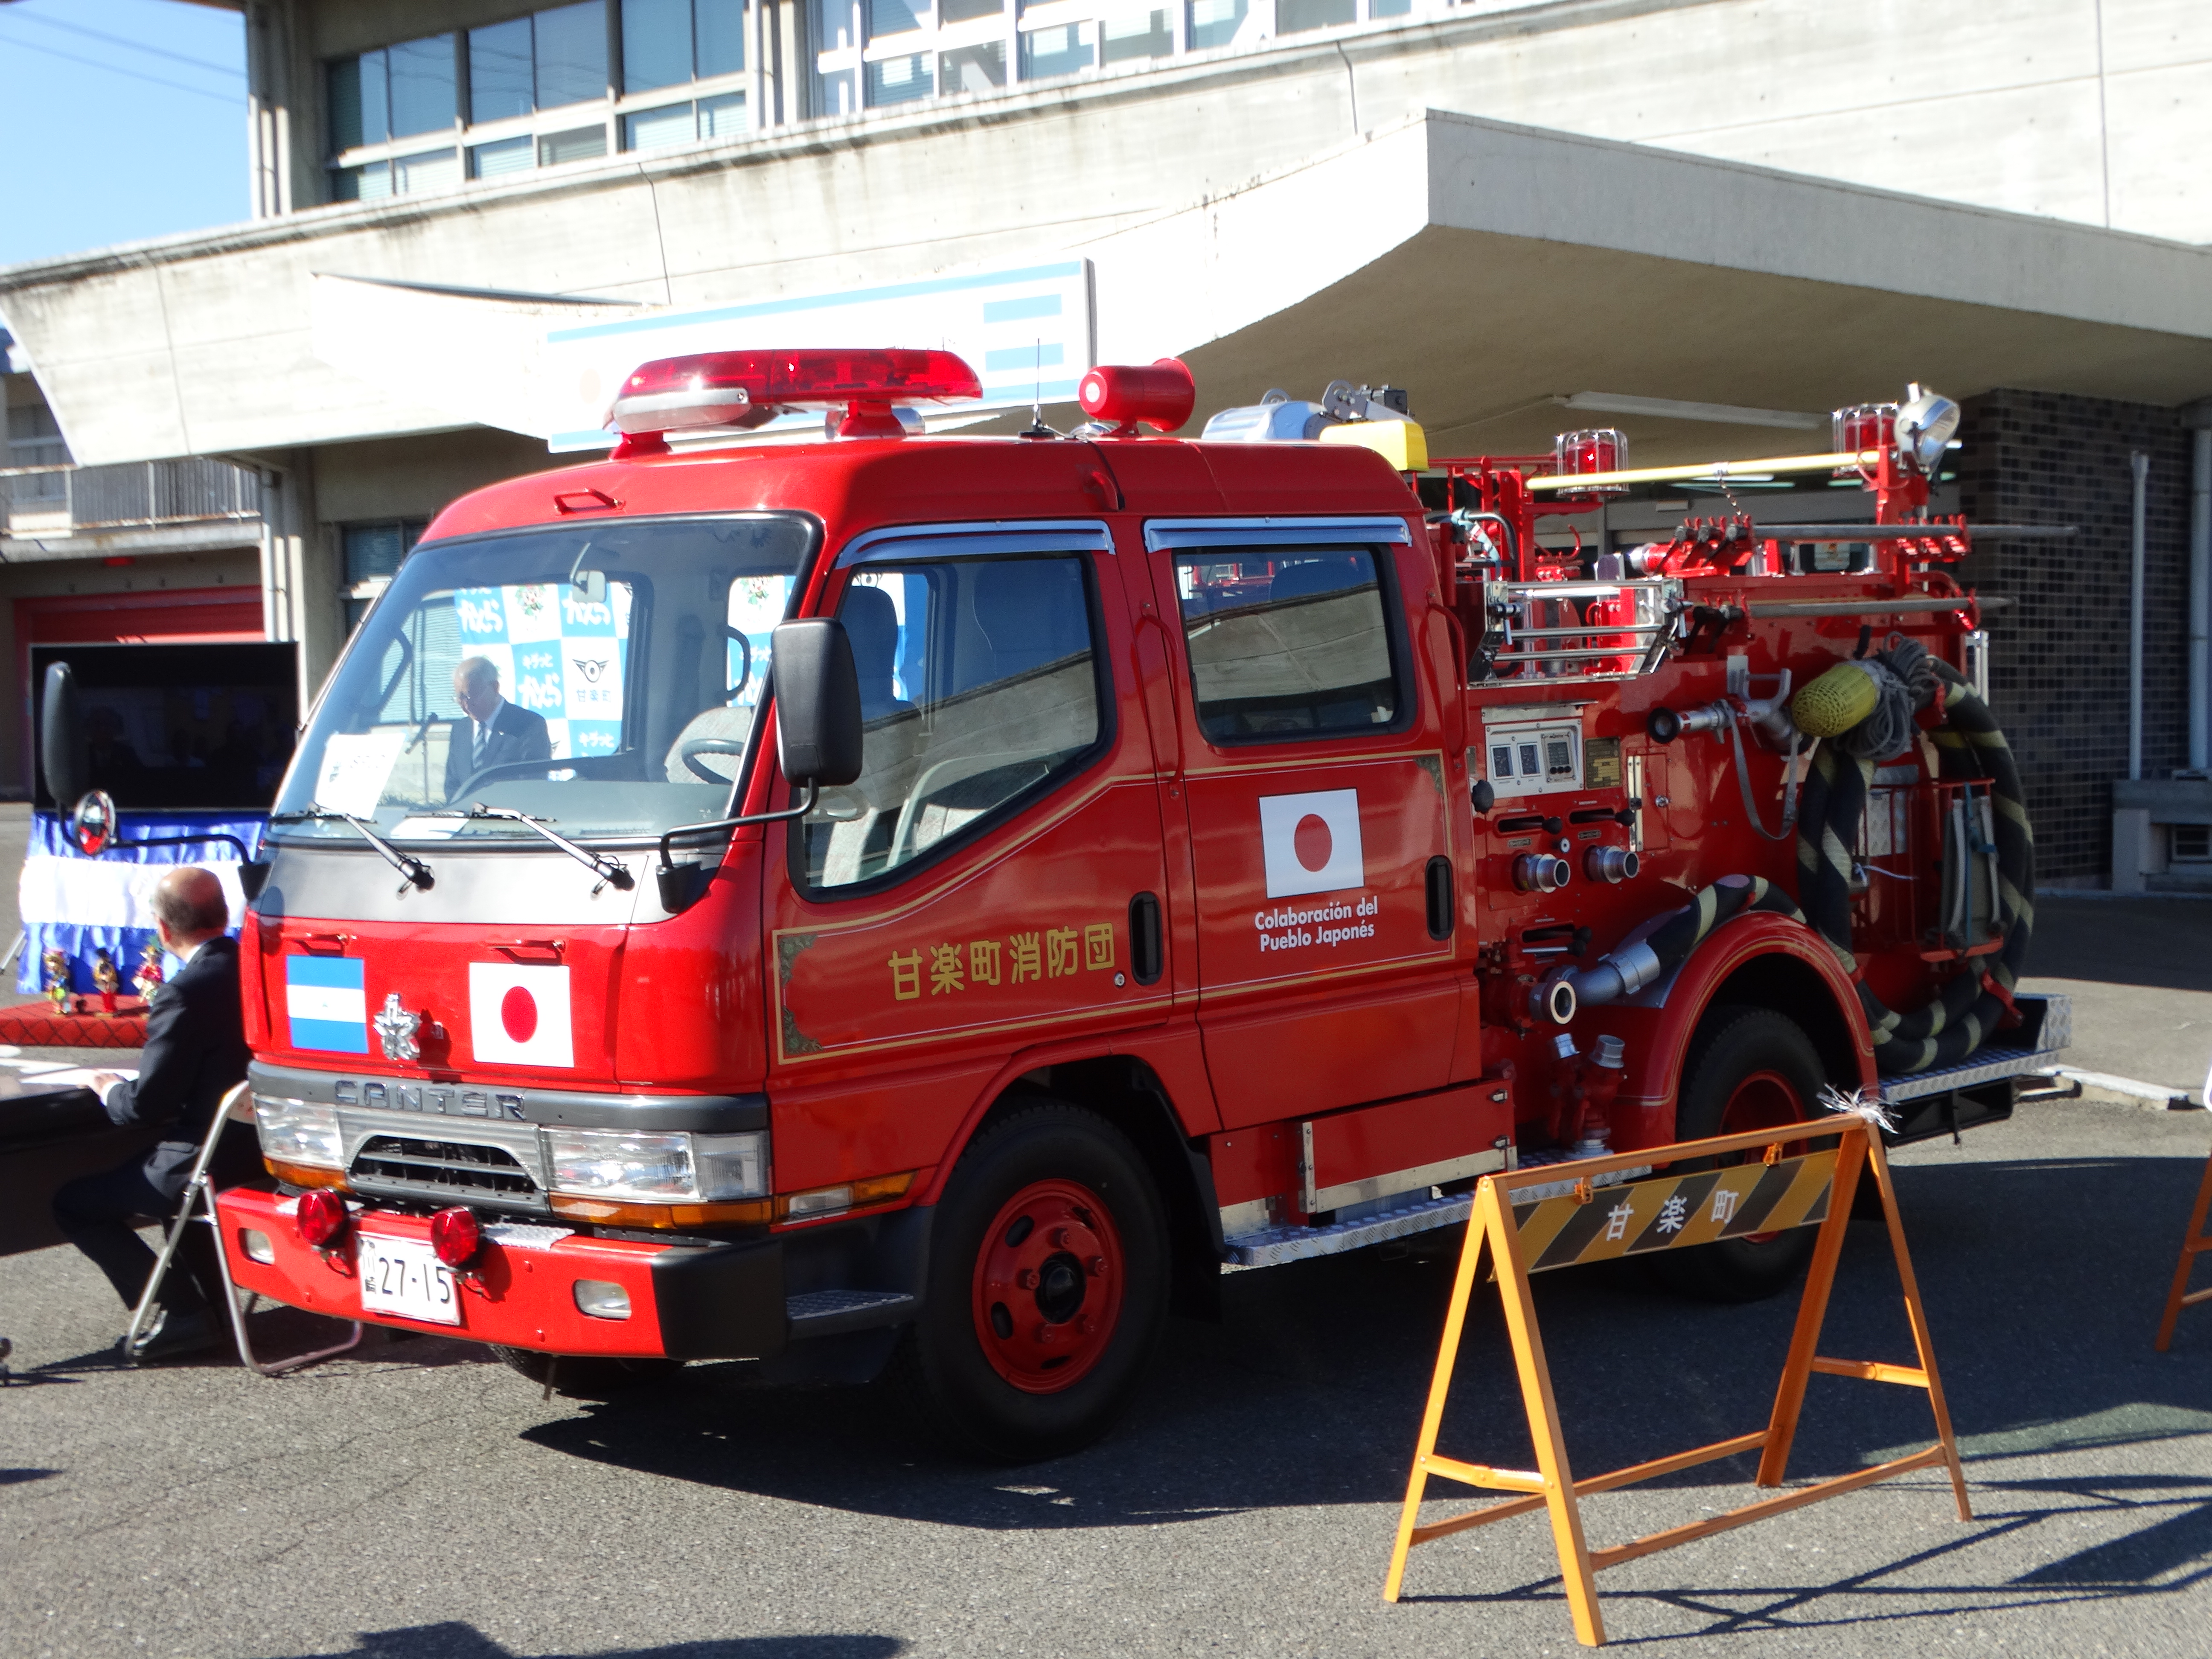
(1765, 1100)
(1047, 1292)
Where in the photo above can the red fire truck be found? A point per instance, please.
(893, 898)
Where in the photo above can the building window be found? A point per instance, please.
(373, 554)
(518, 95)
(33, 437)
(876, 53)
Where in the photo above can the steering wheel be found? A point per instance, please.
(511, 769)
(691, 749)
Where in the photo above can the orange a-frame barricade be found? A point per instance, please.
(2193, 1243)
(1675, 1211)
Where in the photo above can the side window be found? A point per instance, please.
(979, 685)
(1290, 644)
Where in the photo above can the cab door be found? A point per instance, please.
(1320, 839)
(993, 879)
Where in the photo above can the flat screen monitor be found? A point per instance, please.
(180, 727)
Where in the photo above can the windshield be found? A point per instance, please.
(602, 679)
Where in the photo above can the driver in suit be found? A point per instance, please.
(491, 731)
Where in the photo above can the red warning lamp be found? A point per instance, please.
(747, 389)
(455, 1236)
(1160, 396)
(321, 1216)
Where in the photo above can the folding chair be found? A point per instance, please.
(198, 1205)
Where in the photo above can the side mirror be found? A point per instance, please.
(818, 701)
(61, 738)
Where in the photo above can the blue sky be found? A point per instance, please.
(121, 119)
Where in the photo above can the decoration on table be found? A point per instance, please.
(57, 988)
(148, 978)
(106, 979)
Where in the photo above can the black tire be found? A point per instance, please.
(958, 1371)
(1746, 1049)
(580, 1377)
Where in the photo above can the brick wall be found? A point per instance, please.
(2059, 659)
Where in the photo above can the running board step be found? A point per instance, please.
(831, 1313)
(1942, 1102)
(1271, 1247)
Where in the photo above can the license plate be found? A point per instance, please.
(403, 1276)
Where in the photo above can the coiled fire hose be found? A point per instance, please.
(1969, 746)
(1871, 721)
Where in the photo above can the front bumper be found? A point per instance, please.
(747, 1299)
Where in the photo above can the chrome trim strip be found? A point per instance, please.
(1161, 534)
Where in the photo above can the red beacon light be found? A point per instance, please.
(747, 389)
(1160, 396)
(320, 1216)
(1601, 449)
(455, 1236)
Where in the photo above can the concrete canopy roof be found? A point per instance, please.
(1493, 270)
(1490, 268)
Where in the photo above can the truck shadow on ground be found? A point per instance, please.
(453, 1639)
(2043, 1282)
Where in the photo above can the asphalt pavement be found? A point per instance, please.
(417, 1500)
(420, 1501)
(2140, 973)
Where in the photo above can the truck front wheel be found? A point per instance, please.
(1749, 1068)
(1048, 1287)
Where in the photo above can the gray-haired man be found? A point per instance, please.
(194, 1053)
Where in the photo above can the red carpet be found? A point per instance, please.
(35, 1024)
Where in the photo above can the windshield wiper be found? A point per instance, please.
(417, 873)
(608, 870)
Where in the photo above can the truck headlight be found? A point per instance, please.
(664, 1169)
(294, 1132)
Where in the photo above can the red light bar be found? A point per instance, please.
(748, 388)
(1161, 397)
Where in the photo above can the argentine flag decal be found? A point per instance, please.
(328, 1004)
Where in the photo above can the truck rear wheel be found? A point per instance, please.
(1749, 1068)
(1048, 1287)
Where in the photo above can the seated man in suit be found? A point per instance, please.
(195, 1052)
(491, 731)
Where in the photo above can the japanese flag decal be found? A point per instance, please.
(520, 1015)
(1311, 842)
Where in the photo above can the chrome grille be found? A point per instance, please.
(461, 1168)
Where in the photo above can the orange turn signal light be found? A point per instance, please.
(305, 1174)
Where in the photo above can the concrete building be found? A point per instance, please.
(1709, 221)
(162, 549)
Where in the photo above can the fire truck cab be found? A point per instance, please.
(941, 898)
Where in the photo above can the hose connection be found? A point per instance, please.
(1552, 998)
(1612, 864)
(1541, 872)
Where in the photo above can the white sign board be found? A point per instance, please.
(1026, 331)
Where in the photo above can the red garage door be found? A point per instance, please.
(182, 614)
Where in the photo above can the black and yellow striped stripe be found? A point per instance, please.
(1674, 1211)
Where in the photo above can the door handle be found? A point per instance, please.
(1440, 897)
(1147, 960)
